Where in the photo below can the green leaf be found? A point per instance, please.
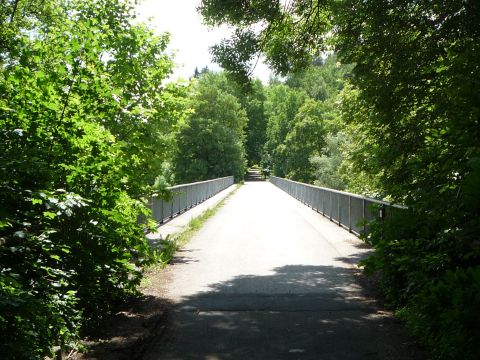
(49, 214)
(52, 106)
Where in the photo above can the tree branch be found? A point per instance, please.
(15, 5)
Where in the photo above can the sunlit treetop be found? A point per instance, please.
(287, 33)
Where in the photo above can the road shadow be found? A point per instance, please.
(355, 259)
(182, 257)
(294, 312)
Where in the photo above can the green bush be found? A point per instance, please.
(445, 315)
(431, 276)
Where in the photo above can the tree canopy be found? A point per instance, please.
(211, 142)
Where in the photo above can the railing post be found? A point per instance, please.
(349, 213)
(338, 209)
(323, 202)
(162, 214)
(364, 218)
(383, 213)
(331, 206)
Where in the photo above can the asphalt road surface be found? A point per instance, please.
(268, 278)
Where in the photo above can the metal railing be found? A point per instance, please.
(186, 196)
(350, 211)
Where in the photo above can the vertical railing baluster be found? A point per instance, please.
(349, 213)
(364, 217)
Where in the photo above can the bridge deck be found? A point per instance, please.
(268, 278)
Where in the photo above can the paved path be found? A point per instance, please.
(268, 278)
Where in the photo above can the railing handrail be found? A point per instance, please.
(197, 183)
(350, 211)
(381, 202)
(186, 196)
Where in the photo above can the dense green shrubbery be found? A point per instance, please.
(431, 275)
(85, 126)
(445, 314)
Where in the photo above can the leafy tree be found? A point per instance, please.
(281, 106)
(327, 165)
(322, 80)
(310, 158)
(211, 141)
(85, 125)
(301, 117)
(287, 34)
(253, 102)
(420, 125)
(208, 150)
(306, 139)
(359, 173)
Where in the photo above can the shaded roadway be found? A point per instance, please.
(268, 278)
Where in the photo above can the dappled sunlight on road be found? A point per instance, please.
(311, 309)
